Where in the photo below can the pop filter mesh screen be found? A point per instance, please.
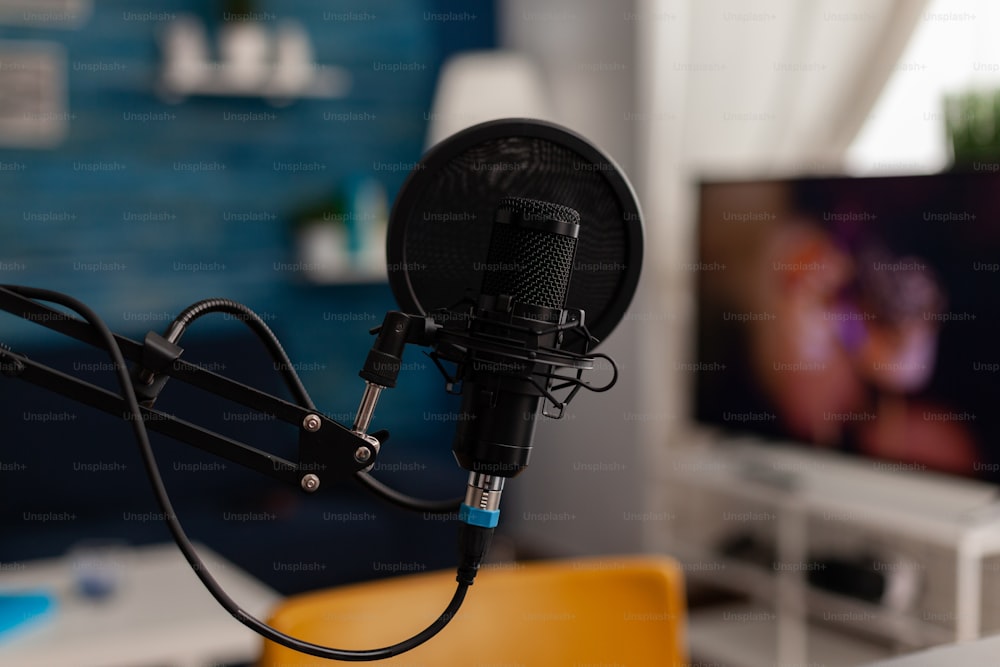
(439, 234)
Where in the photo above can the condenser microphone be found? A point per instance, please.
(520, 313)
(522, 243)
(505, 355)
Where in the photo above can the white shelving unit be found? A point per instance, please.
(793, 500)
(720, 642)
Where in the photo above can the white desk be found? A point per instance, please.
(979, 653)
(160, 616)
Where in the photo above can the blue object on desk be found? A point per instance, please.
(18, 609)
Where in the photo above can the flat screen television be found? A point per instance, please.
(854, 314)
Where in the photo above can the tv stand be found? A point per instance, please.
(935, 540)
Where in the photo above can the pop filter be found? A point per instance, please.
(441, 222)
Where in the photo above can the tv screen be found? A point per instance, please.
(854, 314)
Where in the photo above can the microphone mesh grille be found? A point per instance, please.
(534, 209)
(448, 229)
(531, 266)
(441, 228)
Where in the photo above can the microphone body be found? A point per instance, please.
(526, 279)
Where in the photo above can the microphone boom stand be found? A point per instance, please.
(325, 447)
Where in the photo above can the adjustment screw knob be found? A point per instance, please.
(310, 482)
(312, 423)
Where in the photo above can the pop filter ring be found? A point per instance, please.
(601, 320)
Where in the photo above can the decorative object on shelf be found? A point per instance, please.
(342, 239)
(46, 14)
(972, 125)
(252, 60)
(34, 90)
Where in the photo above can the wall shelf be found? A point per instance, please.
(252, 61)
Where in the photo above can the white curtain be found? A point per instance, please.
(744, 88)
(671, 89)
(781, 84)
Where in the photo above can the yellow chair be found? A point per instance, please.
(592, 611)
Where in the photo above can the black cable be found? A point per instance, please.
(405, 501)
(282, 362)
(180, 537)
(258, 326)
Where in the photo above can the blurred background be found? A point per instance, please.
(156, 153)
(140, 179)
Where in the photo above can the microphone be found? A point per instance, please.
(507, 346)
(525, 282)
(547, 228)
(502, 239)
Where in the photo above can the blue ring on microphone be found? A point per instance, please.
(477, 517)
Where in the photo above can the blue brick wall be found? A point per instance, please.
(71, 217)
(113, 165)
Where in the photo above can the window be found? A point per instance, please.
(953, 49)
